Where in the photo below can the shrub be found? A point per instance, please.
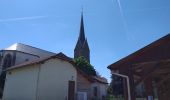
(85, 66)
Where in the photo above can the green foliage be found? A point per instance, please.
(110, 97)
(85, 66)
(109, 89)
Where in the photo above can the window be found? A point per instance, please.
(95, 91)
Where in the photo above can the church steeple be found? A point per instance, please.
(82, 34)
(82, 48)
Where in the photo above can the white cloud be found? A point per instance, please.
(22, 18)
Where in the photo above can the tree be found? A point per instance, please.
(117, 85)
(85, 66)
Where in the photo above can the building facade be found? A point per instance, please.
(16, 54)
(52, 78)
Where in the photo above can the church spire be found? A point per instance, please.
(82, 33)
(82, 48)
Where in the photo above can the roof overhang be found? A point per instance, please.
(157, 70)
(140, 52)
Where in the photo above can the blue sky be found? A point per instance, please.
(114, 28)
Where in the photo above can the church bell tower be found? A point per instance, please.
(82, 47)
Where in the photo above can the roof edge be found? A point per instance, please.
(60, 56)
(142, 50)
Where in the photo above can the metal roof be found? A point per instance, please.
(29, 49)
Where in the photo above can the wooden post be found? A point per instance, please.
(149, 89)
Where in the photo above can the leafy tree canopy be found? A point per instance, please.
(85, 66)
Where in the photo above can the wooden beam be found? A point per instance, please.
(163, 80)
(140, 65)
(138, 74)
(136, 77)
(148, 73)
(165, 71)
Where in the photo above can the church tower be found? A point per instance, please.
(82, 47)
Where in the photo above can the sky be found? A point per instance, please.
(114, 28)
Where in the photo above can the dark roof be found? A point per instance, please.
(163, 40)
(81, 40)
(85, 45)
(100, 79)
(82, 33)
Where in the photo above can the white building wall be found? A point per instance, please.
(21, 84)
(83, 86)
(54, 77)
(47, 81)
(95, 84)
(101, 90)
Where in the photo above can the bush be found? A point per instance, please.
(85, 66)
(110, 97)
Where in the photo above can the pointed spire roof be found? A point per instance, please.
(82, 33)
(78, 45)
(82, 47)
(81, 38)
(85, 45)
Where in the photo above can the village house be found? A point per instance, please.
(17, 54)
(54, 77)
